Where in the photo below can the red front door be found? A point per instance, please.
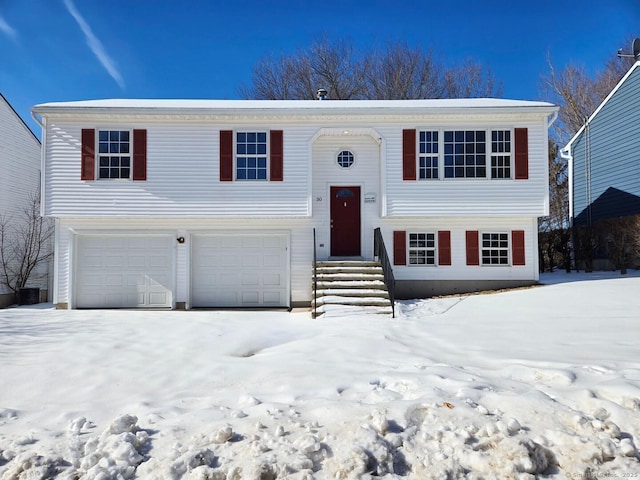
(345, 221)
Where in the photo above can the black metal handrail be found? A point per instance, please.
(380, 251)
(315, 277)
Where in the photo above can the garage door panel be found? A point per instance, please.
(124, 271)
(250, 279)
(247, 270)
(273, 298)
(271, 279)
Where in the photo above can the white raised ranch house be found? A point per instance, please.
(19, 178)
(213, 203)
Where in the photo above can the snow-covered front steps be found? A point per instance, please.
(350, 287)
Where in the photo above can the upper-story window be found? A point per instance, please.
(465, 154)
(114, 154)
(251, 155)
(439, 154)
(428, 155)
(345, 159)
(501, 154)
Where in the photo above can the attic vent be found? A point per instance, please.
(322, 94)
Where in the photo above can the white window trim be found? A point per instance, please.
(435, 249)
(508, 248)
(98, 155)
(345, 149)
(489, 153)
(235, 155)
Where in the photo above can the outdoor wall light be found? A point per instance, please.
(180, 239)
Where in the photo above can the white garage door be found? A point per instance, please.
(240, 271)
(124, 271)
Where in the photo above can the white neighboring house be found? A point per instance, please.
(212, 203)
(20, 159)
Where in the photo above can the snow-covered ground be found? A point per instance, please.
(541, 382)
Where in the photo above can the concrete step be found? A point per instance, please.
(347, 263)
(337, 277)
(338, 300)
(350, 287)
(352, 284)
(353, 292)
(331, 310)
(350, 269)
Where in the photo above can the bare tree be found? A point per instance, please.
(470, 79)
(578, 94)
(620, 234)
(25, 244)
(554, 231)
(333, 66)
(400, 72)
(394, 72)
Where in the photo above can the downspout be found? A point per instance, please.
(52, 268)
(41, 122)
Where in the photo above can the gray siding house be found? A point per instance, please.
(604, 178)
(604, 157)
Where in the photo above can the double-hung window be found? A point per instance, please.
(433, 154)
(428, 155)
(501, 154)
(114, 154)
(495, 249)
(251, 156)
(422, 249)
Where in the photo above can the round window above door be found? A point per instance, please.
(345, 159)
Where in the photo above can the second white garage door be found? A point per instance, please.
(240, 270)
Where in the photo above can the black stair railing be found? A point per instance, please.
(315, 277)
(380, 251)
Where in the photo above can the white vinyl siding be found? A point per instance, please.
(459, 270)
(183, 193)
(364, 173)
(469, 196)
(182, 176)
(20, 164)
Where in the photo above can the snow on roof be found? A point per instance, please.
(213, 106)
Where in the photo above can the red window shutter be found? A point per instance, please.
(139, 154)
(444, 247)
(409, 155)
(226, 155)
(399, 247)
(473, 248)
(517, 247)
(88, 161)
(275, 156)
(521, 153)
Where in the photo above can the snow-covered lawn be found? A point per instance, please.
(540, 382)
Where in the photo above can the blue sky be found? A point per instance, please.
(59, 50)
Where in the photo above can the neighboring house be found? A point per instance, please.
(19, 177)
(189, 203)
(604, 169)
